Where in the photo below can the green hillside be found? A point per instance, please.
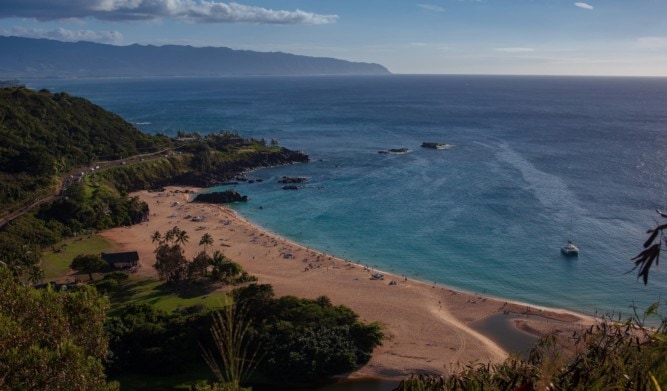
(47, 135)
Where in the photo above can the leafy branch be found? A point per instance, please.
(651, 253)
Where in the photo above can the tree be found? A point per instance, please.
(181, 237)
(88, 263)
(35, 274)
(170, 262)
(51, 340)
(156, 237)
(147, 340)
(21, 259)
(224, 269)
(206, 240)
(199, 264)
(170, 235)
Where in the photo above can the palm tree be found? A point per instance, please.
(217, 262)
(206, 240)
(181, 237)
(171, 234)
(35, 274)
(156, 237)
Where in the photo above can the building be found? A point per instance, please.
(124, 260)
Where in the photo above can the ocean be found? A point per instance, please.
(536, 160)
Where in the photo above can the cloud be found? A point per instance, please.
(585, 6)
(514, 50)
(196, 11)
(60, 34)
(652, 43)
(431, 7)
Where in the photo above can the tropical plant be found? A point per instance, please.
(35, 274)
(206, 240)
(199, 265)
(156, 238)
(170, 262)
(234, 349)
(181, 237)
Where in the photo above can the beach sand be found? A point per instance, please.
(426, 325)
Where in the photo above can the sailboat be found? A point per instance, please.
(569, 249)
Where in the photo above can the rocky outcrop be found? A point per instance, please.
(290, 179)
(221, 197)
(436, 145)
(395, 151)
(228, 172)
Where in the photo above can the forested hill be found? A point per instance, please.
(42, 58)
(46, 135)
(44, 132)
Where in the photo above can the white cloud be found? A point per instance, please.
(197, 11)
(653, 43)
(585, 6)
(61, 34)
(431, 7)
(514, 50)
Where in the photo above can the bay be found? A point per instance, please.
(533, 156)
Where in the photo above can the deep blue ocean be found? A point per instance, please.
(536, 160)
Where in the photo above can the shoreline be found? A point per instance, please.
(427, 326)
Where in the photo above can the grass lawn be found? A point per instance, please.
(143, 290)
(56, 264)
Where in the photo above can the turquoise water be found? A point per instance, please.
(533, 157)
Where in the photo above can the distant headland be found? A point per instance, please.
(43, 58)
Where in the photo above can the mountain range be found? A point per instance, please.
(44, 58)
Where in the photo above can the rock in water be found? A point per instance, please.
(221, 197)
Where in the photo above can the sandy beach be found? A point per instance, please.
(427, 326)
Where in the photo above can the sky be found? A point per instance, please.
(520, 37)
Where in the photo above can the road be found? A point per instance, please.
(78, 174)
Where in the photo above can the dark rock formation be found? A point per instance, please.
(222, 197)
(436, 145)
(226, 173)
(289, 179)
(395, 151)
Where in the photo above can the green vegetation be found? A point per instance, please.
(303, 341)
(46, 136)
(230, 331)
(179, 273)
(88, 263)
(139, 291)
(51, 340)
(57, 260)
